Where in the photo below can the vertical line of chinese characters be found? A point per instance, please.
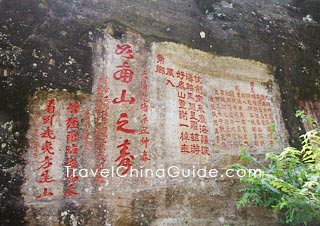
(47, 151)
(144, 132)
(125, 75)
(72, 125)
(101, 115)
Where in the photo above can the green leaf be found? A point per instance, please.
(290, 182)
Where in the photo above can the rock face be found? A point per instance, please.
(87, 76)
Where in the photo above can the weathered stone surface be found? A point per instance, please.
(312, 110)
(148, 83)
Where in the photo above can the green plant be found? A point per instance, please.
(290, 181)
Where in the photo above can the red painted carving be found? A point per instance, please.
(121, 122)
(125, 74)
(122, 99)
(125, 50)
(125, 158)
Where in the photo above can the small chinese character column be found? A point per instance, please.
(259, 108)
(240, 115)
(72, 125)
(100, 133)
(144, 157)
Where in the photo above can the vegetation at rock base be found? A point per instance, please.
(289, 181)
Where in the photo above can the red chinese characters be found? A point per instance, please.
(101, 116)
(125, 158)
(144, 132)
(125, 75)
(72, 125)
(144, 157)
(125, 51)
(241, 118)
(192, 119)
(121, 122)
(123, 99)
(47, 151)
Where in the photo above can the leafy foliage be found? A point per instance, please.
(290, 183)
